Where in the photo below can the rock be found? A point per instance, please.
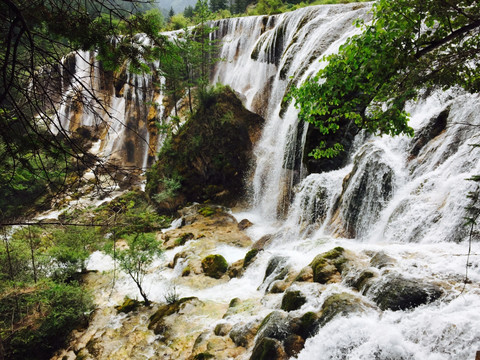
(293, 300)
(434, 128)
(381, 260)
(278, 287)
(222, 329)
(203, 356)
(395, 292)
(183, 239)
(156, 322)
(277, 269)
(268, 349)
(328, 266)
(244, 224)
(275, 326)
(342, 304)
(249, 257)
(128, 305)
(363, 280)
(243, 334)
(236, 269)
(306, 326)
(201, 169)
(293, 344)
(214, 266)
(263, 242)
(305, 275)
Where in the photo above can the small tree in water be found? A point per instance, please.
(135, 259)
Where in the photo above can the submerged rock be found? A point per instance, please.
(396, 292)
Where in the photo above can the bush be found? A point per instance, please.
(46, 314)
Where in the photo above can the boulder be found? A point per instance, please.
(214, 266)
(268, 349)
(249, 257)
(396, 292)
(293, 300)
(381, 260)
(244, 224)
(342, 304)
(328, 266)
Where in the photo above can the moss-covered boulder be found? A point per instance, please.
(249, 257)
(214, 266)
(342, 304)
(396, 292)
(328, 265)
(193, 168)
(268, 349)
(293, 300)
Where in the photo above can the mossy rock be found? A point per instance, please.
(156, 320)
(128, 305)
(293, 300)
(308, 324)
(208, 211)
(249, 257)
(395, 292)
(214, 266)
(268, 349)
(328, 264)
(342, 304)
(183, 239)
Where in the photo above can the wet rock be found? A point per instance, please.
(236, 269)
(275, 326)
(222, 329)
(268, 349)
(156, 322)
(433, 129)
(243, 334)
(342, 304)
(395, 292)
(305, 275)
(203, 356)
(293, 300)
(249, 257)
(214, 266)
(293, 344)
(306, 326)
(244, 224)
(381, 260)
(278, 287)
(363, 280)
(263, 242)
(277, 269)
(328, 266)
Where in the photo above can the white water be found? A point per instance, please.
(417, 219)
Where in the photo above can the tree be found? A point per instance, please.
(171, 13)
(37, 154)
(188, 12)
(408, 46)
(134, 260)
(216, 5)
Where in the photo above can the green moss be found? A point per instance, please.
(214, 266)
(183, 239)
(327, 264)
(292, 300)
(207, 211)
(186, 271)
(267, 349)
(128, 305)
(249, 257)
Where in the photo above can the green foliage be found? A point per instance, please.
(171, 186)
(408, 46)
(141, 249)
(36, 321)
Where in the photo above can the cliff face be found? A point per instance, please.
(209, 158)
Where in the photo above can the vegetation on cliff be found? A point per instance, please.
(192, 167)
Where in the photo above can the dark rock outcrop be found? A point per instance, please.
(193, 168)
(396, 292)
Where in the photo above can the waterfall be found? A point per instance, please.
(116, 107)
(264, 56)
(399, 199)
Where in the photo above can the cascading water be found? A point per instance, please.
(397, 208)
(263, 56)
(115, 107)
